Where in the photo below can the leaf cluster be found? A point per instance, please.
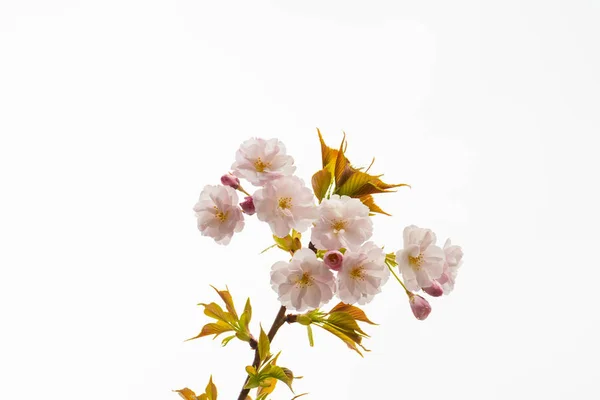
(210, 393)
(338, 176)
(226, 321)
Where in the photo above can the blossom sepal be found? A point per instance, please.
(226, 321)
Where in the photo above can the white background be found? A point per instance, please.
(115, 114)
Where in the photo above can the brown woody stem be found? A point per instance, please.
(280, 319)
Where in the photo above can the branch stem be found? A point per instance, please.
(280, 319)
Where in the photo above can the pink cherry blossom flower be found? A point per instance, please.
(261, 161)
(343, 222)
(419, 306)
(362, 275)
(453, 261)
(303, 283)
(435, 290)
(333, 259)
(218, 213)
(285, 204)
(421, 261)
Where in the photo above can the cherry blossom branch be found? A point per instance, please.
(280, 319)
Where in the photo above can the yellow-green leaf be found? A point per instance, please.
(187, 394)
(264, 346)
(345, 338)
(354, 311)
(227, 340)
(213, 329)
(269, 386)
(361, 184)
(246, 316)
(215, 311)
(275, 371)
(211, 390)
(228, 300)
(321, 182)
(251, 370)
(345, 322)
(311, 340)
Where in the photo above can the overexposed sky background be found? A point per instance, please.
(115, 114)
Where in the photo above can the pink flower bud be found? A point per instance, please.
(420, 307)
(434, 290)
(333, 259)
(230, 180)
(248, 205)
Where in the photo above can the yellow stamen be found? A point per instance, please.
(415, 262)
(338, 225)
(220, 215)
(358, 273)
(285, 202)
(305, 280)
(260, 165)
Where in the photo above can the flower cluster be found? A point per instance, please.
(340, 259)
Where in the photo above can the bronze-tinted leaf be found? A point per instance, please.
(374, 208)
(354, 311)
(187, 394)
(228, 300)
(343, 336)
(328, 154)
(345, 322)
(321, 182)
(343, 170)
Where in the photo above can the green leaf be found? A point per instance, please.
(213, 329)
(320, 182)
(264, 345)
(251, 370)
(211, 390)
(355, 312)
(228, 300)
(227, 340)
(311, 340)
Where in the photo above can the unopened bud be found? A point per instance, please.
(248, 205)
(230, 180)
(333, 259)
(419, 306)
(434, 290)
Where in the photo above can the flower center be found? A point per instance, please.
(285, 203)
(305, 280)
(358, 273)
(220, 215)
(415, 262)
(260, 165)
(338, 225)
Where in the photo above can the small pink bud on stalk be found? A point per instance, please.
(435, 290)
(333, 259)
(248, 205)
(230, 180)
(420, 307)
